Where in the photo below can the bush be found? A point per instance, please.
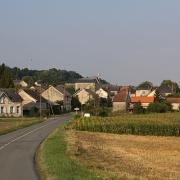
(158, 107)
(138, 109)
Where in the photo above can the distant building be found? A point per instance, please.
(121, 100)
(85, 95)
(145, 101)
(20, 83)
(175, 102)
(113, 89)
(32, 99)
(58, 94)
(102, 93)
(10, 103)
(144, 89)
(87, 83)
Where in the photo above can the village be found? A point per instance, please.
(83, 95)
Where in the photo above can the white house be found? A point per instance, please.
(10, 103)
(102, 93)
(144, 89)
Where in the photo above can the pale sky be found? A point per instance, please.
(127, 41)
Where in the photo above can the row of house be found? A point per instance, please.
(145, 94)
(19, 102)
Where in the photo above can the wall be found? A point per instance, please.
(119, 106)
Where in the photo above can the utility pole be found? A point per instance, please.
(40, 103)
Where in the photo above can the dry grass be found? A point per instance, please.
(11, 124)
(127, 156)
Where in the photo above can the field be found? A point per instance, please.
(11, 124)
(54, 162)
(167, 124)
(119, 147)
(127, 156)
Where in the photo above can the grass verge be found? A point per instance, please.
(53, 161)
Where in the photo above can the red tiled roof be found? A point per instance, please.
(142, 99)
(173, 100)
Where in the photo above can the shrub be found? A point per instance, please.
(138, 109)
(158, 107)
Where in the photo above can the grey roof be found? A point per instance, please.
(88, 80)
(35, 95)
(164, 89)
(61, 89)
(12, 95)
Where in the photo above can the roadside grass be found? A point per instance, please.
(8, 125)
(54, 160)
(167, 124)
(127, 156)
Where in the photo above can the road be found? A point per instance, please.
(17, 150)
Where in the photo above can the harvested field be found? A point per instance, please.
(127, 156)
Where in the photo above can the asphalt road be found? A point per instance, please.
(17, 150)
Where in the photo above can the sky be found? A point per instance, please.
(126, 41)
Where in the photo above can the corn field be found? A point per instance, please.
(167, 124)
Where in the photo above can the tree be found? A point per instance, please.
(75, 103)
(5, 77)
(173, 85)
(158, 97)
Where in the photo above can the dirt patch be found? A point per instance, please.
(127, 156)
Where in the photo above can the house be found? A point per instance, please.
(175, 102)
(132, 91)
(85, 95)
(102, 93)
(144, 89)
(87, 83)
(10, 103)
(20, 83)
(163, 90)
(58, 94)
(113, 89)
(121, 100)
(32, 99)
(145, 101)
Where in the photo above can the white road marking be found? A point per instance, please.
(26, 134)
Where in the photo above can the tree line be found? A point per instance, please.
(52, 76)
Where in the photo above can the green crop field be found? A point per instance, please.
(167, 124)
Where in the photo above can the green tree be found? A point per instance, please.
(6, 80)
(173, 85)
(158, 97)
(75, 103)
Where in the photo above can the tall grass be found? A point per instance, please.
(150, 124)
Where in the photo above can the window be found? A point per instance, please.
(11, 109)
(2, 109)
(17, 110)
